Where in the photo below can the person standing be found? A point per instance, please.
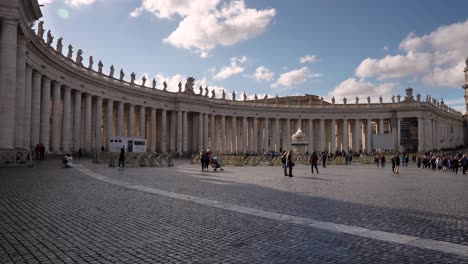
(284, 161)
(392, 159)
(382, 160)
(38, 151)
(313, 162)
(42, 152)
(122, 157)
(397, 164)
(202, 159)
(324, 159)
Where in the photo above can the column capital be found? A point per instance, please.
(28, 67)
(56, 83)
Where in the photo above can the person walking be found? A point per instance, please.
(382, 160)
(37, 149)
(392, 159)
(289, 162)
(313, 162)
(122, 157)
(324, 159)
(397, 164)
(202, 159)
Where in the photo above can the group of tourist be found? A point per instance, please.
(445, 163)
(208, 158)
(40, 151)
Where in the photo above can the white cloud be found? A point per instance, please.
(230, 70)
(435, 58)
(78, 3)
(293, 77)
(385, 48)
(353, 87)
(205, 26)
(308, 58)
(263, 74)
(397, 66)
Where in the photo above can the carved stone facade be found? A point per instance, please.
(53, 101)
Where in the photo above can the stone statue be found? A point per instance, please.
(40, 30)
(111, 71)
(100, 65)
(143, 81)
(213, 94)
(122, 74)
(255, 97)
(357, 100)
(393, 98)
(91, 62)
(49, 38)
(265, 97)
(59, 45)
(345, 100)
(206, 91)
(333, 100)
(233, 95)
(200, 90)
(276, 99)
(398, 98)
(368, 99)
(418, 97)
(245, 96)
(380, 99)
(132, 77)
(223, 95)
(180, 86)
(79, 58)
(154, 83)
(164, 86)
(321, 100)
(70, 52)
(189, 85)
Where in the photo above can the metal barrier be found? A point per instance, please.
(16, 158)
(134, 159)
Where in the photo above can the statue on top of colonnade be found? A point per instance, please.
(164, 86)
(132, 77)
(111, 71)
(180, 86)
(91, 62)
(70, 52)
(59, 46)
(154, 83)
(213, 94)
(189, 85)
(100, 65)
(40, 30)
(201, 90)
(143, 81)
(79, 58)
(50, 38)
(223, 95)
(206, 91)
(122, 74)
(466, 68)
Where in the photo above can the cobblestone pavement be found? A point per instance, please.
(54, 215)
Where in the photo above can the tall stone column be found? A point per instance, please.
(88, 123)
(245, 134)
(163, 131)
(213, 132)
(131, 121)
(55, 135)
(8, 54)
(173, 132)
(66, 119)
(98, 126)
(399, 148)
(77, 120)
(255, 135)
(109, 121)
(266, 135)
(345, 136)
(277, 135)
(179, 132)
(142, 130)
(321, 141)
(234, 134)
(369, 145)
(333, 136)
(27, 108)
(421, 135)
(288, 133)
(120, 119)
(200, 132)
(381, 126)
(36, 108)
(45, 113)
(153, 130)
(205, 130)
(223, 134)
(185, 132)
(357, 135)
(19, 97)
(310, 135)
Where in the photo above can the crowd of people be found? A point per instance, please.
(207, 158)
(444, 163)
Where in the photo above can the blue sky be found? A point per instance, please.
(348, 48)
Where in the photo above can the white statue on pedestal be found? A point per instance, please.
(111, 71)
(70, 52)
(122, 74)
(91, 62)
(132, 77)
(59, 45)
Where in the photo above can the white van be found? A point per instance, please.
(131, 144)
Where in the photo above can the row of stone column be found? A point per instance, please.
(255, 134)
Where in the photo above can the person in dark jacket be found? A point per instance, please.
(122, 157)
(289, 162)
(313, 162)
